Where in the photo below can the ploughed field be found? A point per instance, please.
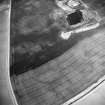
(64, 77)
(45, 69)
